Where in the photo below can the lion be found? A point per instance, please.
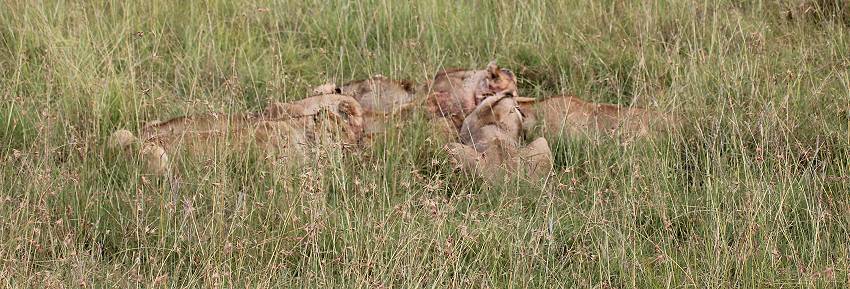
(490, 142)
(451, 94)
(286, 130)
(447, 98)
(454, 93)
(307, 114)
(533, 161)
(380, 94)
(382, 99)
(496, 117)
(570, 116)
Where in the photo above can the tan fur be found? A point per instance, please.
(120, 139)
(455, 93)
(383, 100)
(337, 105)
(490, 142)
(379, 94)
(450, 96)
(284, 129)
(500, 160)
(155, 159)
(569, 116)
(497, 117)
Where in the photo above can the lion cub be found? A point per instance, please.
(286, 130)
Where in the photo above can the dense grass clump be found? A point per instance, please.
(751, 191)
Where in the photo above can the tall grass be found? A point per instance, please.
(751, 192)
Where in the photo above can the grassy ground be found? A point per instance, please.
(753, 192)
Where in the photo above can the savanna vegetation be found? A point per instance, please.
(751, 191)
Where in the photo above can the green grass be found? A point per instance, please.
(752, 192)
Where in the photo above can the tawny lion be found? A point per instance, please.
(491, 138)
(447, 98)
(382, 99)
(499, 160)
(570, 117)
(287, 130)
(454, 93)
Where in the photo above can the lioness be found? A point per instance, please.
(496, 117)
(307, 114)
(380, 94)
(490, 142)
(382, 99)
(451, 94)
(570, 116)
(455, 93)
(283, 129)
(533, 161)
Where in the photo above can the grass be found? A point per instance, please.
(752, 192)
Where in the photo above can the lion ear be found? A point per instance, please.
(493, 69)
